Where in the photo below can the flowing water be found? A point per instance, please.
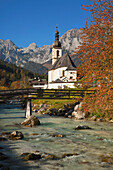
(85, 148)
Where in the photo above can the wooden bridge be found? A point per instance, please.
(44, 93)
(32, 93)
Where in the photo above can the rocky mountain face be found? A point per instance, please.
(71, 40)
(21, 56)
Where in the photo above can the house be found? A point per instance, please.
(63, 73)
(38, 83)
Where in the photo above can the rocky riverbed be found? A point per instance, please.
(73, 110)
(57, 143)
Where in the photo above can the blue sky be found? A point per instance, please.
(27, 21)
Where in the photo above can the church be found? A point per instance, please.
(63, 73)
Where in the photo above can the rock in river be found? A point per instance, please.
(51, 157)
(32, 156)
(16, 135)
(31, 121)
(82, 127)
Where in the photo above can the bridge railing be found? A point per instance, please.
(45, 93)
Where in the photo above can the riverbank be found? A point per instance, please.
(56, 137)
(67, 108)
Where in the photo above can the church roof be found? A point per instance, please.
(64, 61)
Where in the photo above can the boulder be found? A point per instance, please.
(16, 135)
(69, 113)
(69, 155)
(31, 121)
(111, 121)
(107, 159)
(61, 112)
(93, 118)
(53, 111)
(70, 106)
(32, 156)
(82, 127)
(76, 107)
(51, 157)
(80, 105)
(66, 115)
(57, 135)
(78, 114)
(42, 108)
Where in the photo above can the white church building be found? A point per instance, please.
(63, 72)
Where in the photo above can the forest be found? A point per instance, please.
(12, 77)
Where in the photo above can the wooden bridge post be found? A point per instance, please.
(28, 111)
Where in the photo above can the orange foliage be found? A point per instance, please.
(3, 88)
(96, 52)
(19, 84)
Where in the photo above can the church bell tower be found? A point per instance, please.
(57, 49)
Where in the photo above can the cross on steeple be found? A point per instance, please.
(56, 27)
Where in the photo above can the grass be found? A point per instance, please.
(53, 103)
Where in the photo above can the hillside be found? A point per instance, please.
(35, 67)
(12, 76)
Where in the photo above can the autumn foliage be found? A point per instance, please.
(96, 53)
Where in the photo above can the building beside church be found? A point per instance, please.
(63, 72)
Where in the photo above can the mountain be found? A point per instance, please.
(35, 67)
(21, 56)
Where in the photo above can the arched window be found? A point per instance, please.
(63, 73)
(57, 53)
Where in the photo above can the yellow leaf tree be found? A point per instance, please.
(96, 53)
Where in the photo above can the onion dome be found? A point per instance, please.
(57, 43)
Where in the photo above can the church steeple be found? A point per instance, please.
(57, 50)
(56, 34)
(56, 42)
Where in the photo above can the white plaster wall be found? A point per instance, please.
(60, 85)
(56, 74)
(54, 54)
(49, 76)
(40, 86)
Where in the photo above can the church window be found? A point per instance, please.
(57, 53)
(71, 77)
(63, 73)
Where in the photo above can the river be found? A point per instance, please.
(85, 149)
